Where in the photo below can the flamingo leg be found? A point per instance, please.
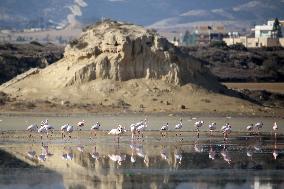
(197, 133)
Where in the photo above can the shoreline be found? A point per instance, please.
(130, 113)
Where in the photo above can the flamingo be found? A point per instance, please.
(178, 126)
(212, 127)
(48, 128)
(44, 122)
(69, 130)
(63, 130)
(116, 132)
(42, 130)
(141, 128)
(198, 124)
(258, 126)
(164, 129)
(95, 127)
(226, 129)
(32, 128)
(275, 128)
(133, 130)
(134, 126)
(250, 128)
(81, 124)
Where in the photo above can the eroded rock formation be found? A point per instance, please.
(121, 51)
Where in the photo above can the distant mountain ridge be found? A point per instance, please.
(155, 13)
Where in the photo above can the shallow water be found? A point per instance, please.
(150, 162)
(154, 121)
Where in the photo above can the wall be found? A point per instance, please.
(255, 42)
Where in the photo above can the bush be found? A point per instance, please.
(218, 44)
(35, 43)
(238, 46)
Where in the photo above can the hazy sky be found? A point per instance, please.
(145, 12)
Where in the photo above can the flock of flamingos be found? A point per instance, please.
(138, 128)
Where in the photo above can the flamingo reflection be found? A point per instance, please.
(67, 154)
(119, 158)
(164, 154)
(226, 156)
(31, 153)
(198, 147)
(212, 152)
(178, 156)
(275, 152)
(94, 154)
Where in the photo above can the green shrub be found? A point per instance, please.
(218, 44)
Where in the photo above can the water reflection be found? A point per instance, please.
(138, 164)
(275, 152)
(94, 154)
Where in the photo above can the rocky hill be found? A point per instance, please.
(18, 58)
(120, 65)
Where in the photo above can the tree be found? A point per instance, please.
(186, 38)
(277, 28)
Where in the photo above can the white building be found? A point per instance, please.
(265, 30)
(264, 37)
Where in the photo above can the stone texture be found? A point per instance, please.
(121, 51)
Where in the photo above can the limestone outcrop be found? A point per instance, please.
(120, 51)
